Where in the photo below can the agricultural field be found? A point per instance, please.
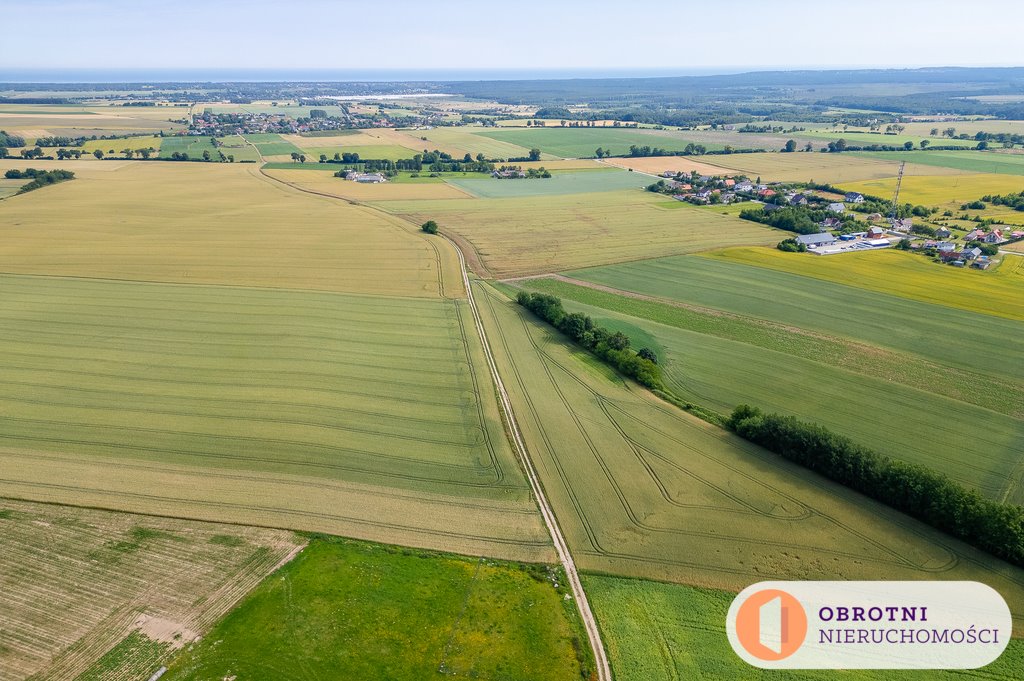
(174, 225)
(869, 138)
(194, 146)
(561, 182)
(944, 334)
(992, 162)
(655, 165)
(469, 140)
(111, 120)
(144, 142)
(348, 610)
(643, 489)
(313, 178)
(277, 342)
(343, 139)
(113, 595)
(582, 142)
(529, 235)
(665, 632)
(719, 363)
(998, 292)
(825, 168)
(946, 191)
(272, 145)
(388, 152)
(231, 403)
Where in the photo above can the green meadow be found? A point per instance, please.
(972, 161)
(666, 632)
(351, 610)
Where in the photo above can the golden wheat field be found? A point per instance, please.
(214, 224)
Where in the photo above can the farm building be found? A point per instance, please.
(875, 217)
(816, 240)
(875, 232)
(369, 178)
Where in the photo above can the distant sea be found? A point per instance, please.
(336, 75)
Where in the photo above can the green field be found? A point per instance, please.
(869, 138)
(887, 403)
(946, 335)
(273, 145)
(998, 291)
(348, 610)
(665, 632)
(561, 182)
(183, 144)
(973, 161)
(534, 234)
(641, 488)
(583, 142)
(254, 394)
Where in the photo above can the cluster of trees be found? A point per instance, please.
(534, 156)
(9, 141)
(841, 145)
(1015, 201)
(791, 246)
(613, 348)
(68, 153)
(25, 153)
(917, 491)
(40, 178)
(60, 141)
(430, 227)
(793, 219)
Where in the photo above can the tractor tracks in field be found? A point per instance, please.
(604, 672)
(603, 667)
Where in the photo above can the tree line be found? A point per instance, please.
(613, 348)
(39, 178)
(924, 494)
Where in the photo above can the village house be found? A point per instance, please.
(831, 223)
(854, 197)
(971, 253)
(993, 237)
(836, 207)
(744, 187)
(945, 247)
(771, 207)
(942, 232)
(797, 199)
(902, 224)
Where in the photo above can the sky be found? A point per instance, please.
(683, 36)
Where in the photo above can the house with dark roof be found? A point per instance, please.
(816, 240)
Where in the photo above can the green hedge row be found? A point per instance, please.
(611, 347)
(915, 490)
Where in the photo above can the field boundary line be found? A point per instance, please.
(561, 547)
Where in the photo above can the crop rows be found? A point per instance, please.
(644, 489)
